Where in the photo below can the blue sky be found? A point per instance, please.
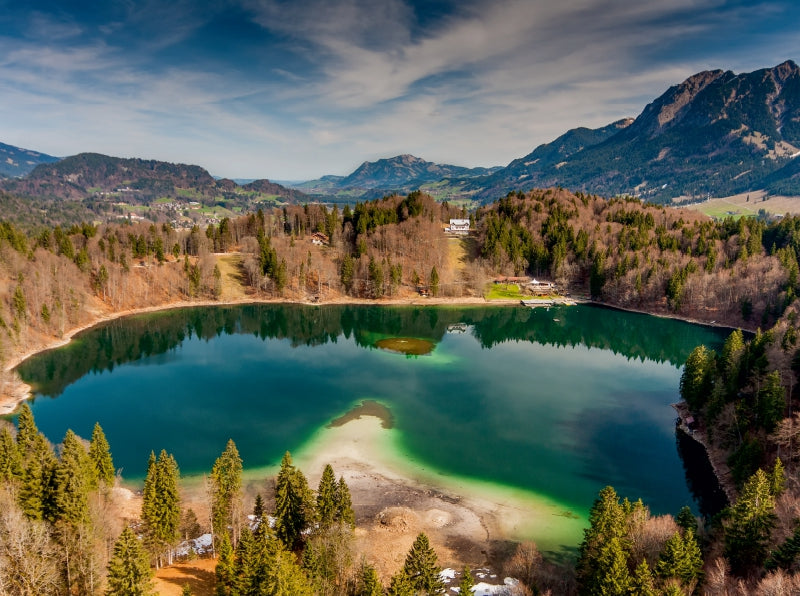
(296, 89)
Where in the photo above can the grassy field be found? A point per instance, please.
(504, 292)
(747, 204)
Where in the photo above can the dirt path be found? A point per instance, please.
(457, 254)
(230, 266)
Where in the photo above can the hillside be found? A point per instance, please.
(16, 162)
(103, 187)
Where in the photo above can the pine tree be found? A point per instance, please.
(607, 519)
(681, 558)
(258, 508)
(187, 590)
(245, 566)
(344, 504)
(643, 583)
(421, 567)
(777, 478)
(370, 583)
(38, 465)
(293, 505)
(161, 512)
(129, 570)
(10, 458)
(751, 520)
(327, 502)
(697, 377)
(613, 577)
(686, 519)
(285, 577)
(224, 570)
(467, 582)
(400, 585)
(71, 479)
(434, 281)
(226, 479)
(100, 456)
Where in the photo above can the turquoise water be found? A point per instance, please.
(560, 402)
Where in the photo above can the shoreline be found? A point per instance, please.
(395, 497)
(14, 391)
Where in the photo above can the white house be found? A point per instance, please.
(458, 226)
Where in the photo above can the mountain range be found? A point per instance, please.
(92, 175)
(16, 162)
(715, 134)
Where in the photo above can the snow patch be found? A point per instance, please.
(200, 545)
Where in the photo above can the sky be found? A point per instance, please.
(295, 89)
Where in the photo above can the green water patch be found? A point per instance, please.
(519, 514)
(410, 346)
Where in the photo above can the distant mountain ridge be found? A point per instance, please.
(401, 173)
(717, 134)
(16, 162)
(88, 174)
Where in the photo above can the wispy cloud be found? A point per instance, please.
(301, 88)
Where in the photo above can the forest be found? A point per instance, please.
(59, 523)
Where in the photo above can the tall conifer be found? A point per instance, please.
(129, 570)
(327, 501)
(226, 479)
(100, 456)
(421, 567)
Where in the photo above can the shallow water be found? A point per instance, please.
(558, 402)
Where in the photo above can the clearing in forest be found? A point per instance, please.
(198, 574)
(230, 266)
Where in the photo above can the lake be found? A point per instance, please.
(558, 402)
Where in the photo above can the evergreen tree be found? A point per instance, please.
(187, 590)
(686, 519)
(10, 458)
(681, 558)
(100, 456)
(293, 506)
(129, 570)
(751, 520)
(245, 567)
(38, 463)
(612, 577)
(777, 478)
(400, 585)
(434, 281)
(643, 582)
(327, 501)
(161, 512)
(421, 567)
(224, 570)
(607, 520)
(285, 577)
(467, 582)
(370, 583)
(258, 508)
(72, 483)
(344, 504)
(697, 378)
(226, 480)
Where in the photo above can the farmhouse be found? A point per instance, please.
(542, 287)
(319, 239)
(458, 226)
